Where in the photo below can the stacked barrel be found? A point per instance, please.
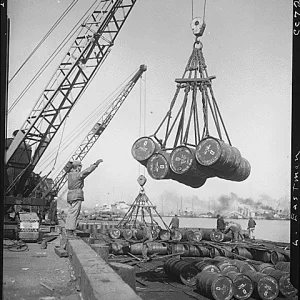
(191, 166)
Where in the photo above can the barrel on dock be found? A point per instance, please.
(219, 236)
(227, 251)
(284, 283)
(242, 252)
(182, 270)
(214, 285)
(265, 286)
(187, 235)
(207, 266)
(262, 255)
(164, 235)
(194, 251)
(242, 285)
(126, 233)
(180, 248)
(242, 265)
(156, 247)
(176, 235)
(114, 233)
(262, 267)
(207, 234)
(223, 265)
(143, 148)
(137, 248)
(275, 257)
(283, 266)
(137, 234)
(158, 166)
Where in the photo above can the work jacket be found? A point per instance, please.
(76, 183)
(233, 227)
(221, 224)
(251, 223)
(175, 222)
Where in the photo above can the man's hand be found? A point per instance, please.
(98, 162)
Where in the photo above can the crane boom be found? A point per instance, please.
(70, 80)
(96, 131)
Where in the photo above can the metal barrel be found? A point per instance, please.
(183, 162)
(194, 250)
(242, 284)
(242, 265)
(207, 234)
(262, 255)
(223, 264)
(191, 181)
(118, 248)
(187, 235)
(197, 236)
(182, 270)
(158, 166)
(283, 266)
(275, 257)
(155, 234)
(164, 235)
(126, 233)
(213, 252)
(219, 236)
(207, 266)
(227, 251)
(265, 286)
(114, 233)
(242, 252)
(137, 248)
(178, 248)
(156, 247)
(242, 172)
(214, 285)
(263, 266)
(285, 287)
(143, 148)
(137, 234)
(176, 235)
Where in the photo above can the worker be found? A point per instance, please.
(251, 228)
(220, 223)
(75, 193)
(174, 224)
(53, 211)
(235, 230)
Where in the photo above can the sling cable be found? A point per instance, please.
(192, 145)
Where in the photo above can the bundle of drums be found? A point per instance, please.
(189, 165)
(223, 278)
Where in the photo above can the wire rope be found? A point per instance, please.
(69, 8)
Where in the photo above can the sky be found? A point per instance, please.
(247, 46)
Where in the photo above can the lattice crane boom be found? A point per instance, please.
(97, 130)
(77, 68)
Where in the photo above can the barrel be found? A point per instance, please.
(155, 234)
(265, 286)
(126, 233)
(242, 265)
(187, 235)
(156, 247)
(176, 235)
(164, 235)
(219, 236)
(242, 285)
(137, 248)
(194, 250)
(223, 265)
(283, 266)
(183, 162)
(262, 255)
(263, 266)
(179, 248)
(227, 251)
(213, 252)
(207, 266)
(137, 234)
(197, 236)
(214, 285)
(207, 234)
(143, 148)
(284, 283)
(243, 252)
(275, 257)
(191, 181)
(158, 166)
(114, 233)
(119, 248)
(242, 172)
(182, 270)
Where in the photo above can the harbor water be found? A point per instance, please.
(273, 230)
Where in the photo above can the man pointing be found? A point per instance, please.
(75, 192)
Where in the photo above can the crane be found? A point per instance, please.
(78, 67)
(97, 130)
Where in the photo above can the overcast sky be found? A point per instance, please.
(247, 46)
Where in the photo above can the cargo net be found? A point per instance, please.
(191, 144)
(142, 213)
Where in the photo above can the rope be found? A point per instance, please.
(45, 37)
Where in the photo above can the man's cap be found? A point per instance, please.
(76, 163)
